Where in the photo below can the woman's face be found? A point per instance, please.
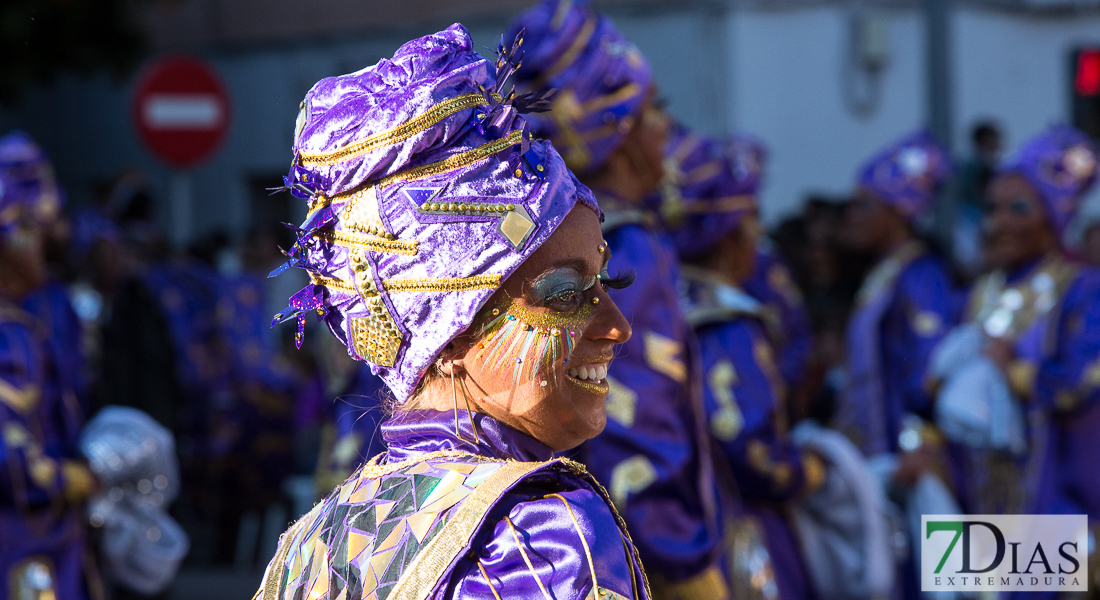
(547, 339)
(866, 222)
(1017, 229)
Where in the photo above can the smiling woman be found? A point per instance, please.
(465, 263)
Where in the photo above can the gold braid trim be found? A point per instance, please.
(527, 559)
(488, 581)
(451, 163)
(443, 284)
(584, 542)
(401, 132)
(437, 284)
(456, 161)
(333, 283)
(352, 239)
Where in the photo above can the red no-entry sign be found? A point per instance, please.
(181, 110)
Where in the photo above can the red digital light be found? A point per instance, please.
(1087, 81)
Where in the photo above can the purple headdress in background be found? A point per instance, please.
(27, 181)
(1061, 165)
(601, 78)
(907, 174)
(709, 187)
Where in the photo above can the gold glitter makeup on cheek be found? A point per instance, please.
(527, 342)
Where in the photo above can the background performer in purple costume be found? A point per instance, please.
(654, 453)
(1040, 313)
(713, 226)
(905, 306)
(43, 480)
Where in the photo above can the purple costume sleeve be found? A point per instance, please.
(924, 308)
(740, 375)
(648, 453)
(1068, 386)
(1070, 379)
(30, 445)
(565, 537)
(52, 307)
(773, 285)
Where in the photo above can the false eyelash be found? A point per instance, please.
(621, 280)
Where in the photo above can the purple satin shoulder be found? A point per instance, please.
(410, 434)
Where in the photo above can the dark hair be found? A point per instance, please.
(983, 132)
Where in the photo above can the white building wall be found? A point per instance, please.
(788, 88)
(779, 74)
(1016, 70)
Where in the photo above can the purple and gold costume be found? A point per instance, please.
(256, 428)
(744, 391)
(786, 316)
(495, 518)
(41, 534)
(30, 174)
(653, 453)
(904, 308)
(38, 431)
(426, 195)
(1049, 309)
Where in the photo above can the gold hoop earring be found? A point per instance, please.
(469, 413)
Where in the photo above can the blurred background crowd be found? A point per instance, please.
(158, 295)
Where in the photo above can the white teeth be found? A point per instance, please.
(593, 373)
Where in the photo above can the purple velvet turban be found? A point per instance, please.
(27, 181)
(425, 194)
(601, 80)
(1060, 164)
(709, 187)
(907, 174)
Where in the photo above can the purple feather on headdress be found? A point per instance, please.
(308, 299)
(505, 108)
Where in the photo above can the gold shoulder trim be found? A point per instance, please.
(423, 573)
(395, 134)
(272, 588)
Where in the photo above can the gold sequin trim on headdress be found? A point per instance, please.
(428, 284)
(351, 239)
(443, 284)
(456, 161)
(401, 132)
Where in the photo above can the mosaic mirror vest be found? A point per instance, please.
(395, 531)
